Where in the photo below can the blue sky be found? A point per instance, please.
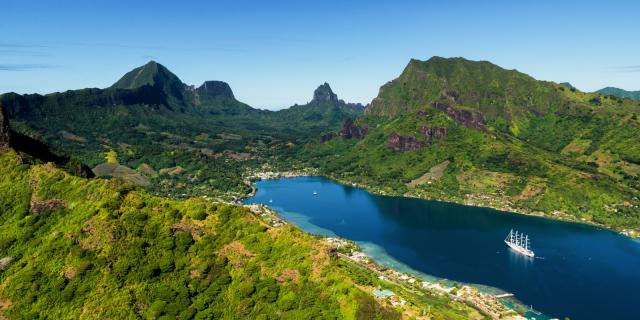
(275, 53)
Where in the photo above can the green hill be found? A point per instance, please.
(472, 132)
(73, 248)
(620, 93)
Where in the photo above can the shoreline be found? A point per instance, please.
(481, 296)
(630, 233)
(493, 301)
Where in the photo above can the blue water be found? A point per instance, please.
(579, 271)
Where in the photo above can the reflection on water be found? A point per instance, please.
(579, 271)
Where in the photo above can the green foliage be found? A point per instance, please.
(616, 92)
(546, 150)
(150, 119)
(114, 252)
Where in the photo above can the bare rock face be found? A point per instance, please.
(400, 143)
(471, 119)
(40, 206)
(4, 262)
(433, 134)
(215, 89)
(351, 130)
(324, 94)
(4, 129)
(327, 136)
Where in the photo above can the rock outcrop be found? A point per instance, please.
(327, 136)
(351, 130)
(324, 94)
(215, 89)
(5, 135)
(433, 133)
(471, 119)
(40, 206)
(399, 143)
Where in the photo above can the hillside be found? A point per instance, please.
(75, 248)
(620, 93)
(151, 129)
(472, 132)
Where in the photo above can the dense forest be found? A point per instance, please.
(72, 247)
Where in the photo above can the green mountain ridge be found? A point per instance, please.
(621, 93)
(150, 119)
(508, 140)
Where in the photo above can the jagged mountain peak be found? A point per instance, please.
(215, 89)
(324, 94)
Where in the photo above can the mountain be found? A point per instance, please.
(324, 112)
(151, 129)
(495, 92)
(324, 94)
(213, 89)
(620, 93)
(150, 74)
(472, 132)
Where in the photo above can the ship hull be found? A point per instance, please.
(519, 250)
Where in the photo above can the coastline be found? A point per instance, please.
(482, 297)
(309, 172)
(492, 301)
(631, 233)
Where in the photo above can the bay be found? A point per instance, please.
(580, 271)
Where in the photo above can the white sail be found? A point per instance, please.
(519, 242)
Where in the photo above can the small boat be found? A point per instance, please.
(519, 242)
(270, 200)
(315, 193)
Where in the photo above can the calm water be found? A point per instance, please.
(580, 271)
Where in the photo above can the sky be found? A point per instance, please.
(274, 54)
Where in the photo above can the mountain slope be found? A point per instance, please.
(150, 74)
(620, 93)
(506, 101)
(472, 132)
(75, 248)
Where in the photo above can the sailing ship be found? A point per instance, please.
(519, 242)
